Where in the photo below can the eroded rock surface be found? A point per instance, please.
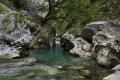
(38, 8)
(82, 48)
(101, 40)
(15, 36)
(106, 44)
(77, 46)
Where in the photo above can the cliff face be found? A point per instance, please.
(20, 26)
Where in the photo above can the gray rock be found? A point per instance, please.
(38, 7)
(8, 52)
(15, 35)
(105, 38)
(82, 48)
(68, 36)
(91, 29)
(116, 68)
(77, 46)
(98, 39)
(106, 44)
(114, 76)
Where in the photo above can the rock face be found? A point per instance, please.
(99, 39)
(38, 7)
(15, 35)
(19, 31)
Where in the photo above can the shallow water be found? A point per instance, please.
(53, 64)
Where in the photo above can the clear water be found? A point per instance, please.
(52, 56)
(54, 64)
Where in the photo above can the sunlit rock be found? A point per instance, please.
(15, 33)
(114, 76)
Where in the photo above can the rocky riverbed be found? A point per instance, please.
(27, 43)
(51, 64)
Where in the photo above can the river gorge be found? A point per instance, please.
(59, 40)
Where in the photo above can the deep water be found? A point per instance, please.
(55, 64)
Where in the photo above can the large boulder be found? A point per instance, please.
(91, 29)
(101, 40)
(81, 48)
(76, 46)
(19, 31)
(15, 36)
(105, 38)
(107, 45)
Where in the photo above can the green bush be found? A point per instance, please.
(75, 13)
(3, 8)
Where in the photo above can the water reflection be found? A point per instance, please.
(52, 64)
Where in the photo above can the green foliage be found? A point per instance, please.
(70, 13)
(19, 17)
(76, 13)
(3, 8)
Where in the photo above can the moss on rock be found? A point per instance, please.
(3, 8)
(19, 17)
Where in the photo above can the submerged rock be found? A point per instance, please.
(18, 63)
(15, 67)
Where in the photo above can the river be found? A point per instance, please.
(53, 64)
